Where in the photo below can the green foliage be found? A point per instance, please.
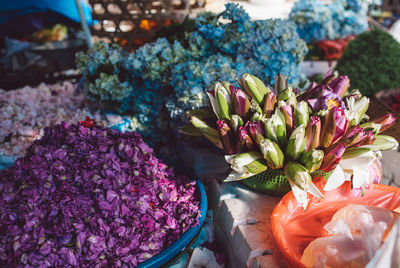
(372, 62)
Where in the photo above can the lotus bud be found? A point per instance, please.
(226, 136)
(328, 77)
(245, 142)
(354, 136)
(332, 157)
(269, 104)
(254, 87)
(334, 127)
(240, 102)
(301, 114)
(314, 90)
(208, 132)
(358, 136)
(297, 143)
(289, 96)
(224, 101)
(385, 121)
(236, 122)
(313, 133)
(260, 85)
(371, 126)
(360, 108)
(255, 107)
(272, 153)
(355, 93)
(214, 104)
(256, 131)
(301, 182)
(280, 83)
(244, 165)
(287, 112)
(369, 138)
(256, 117)
(275, 128)
(312, 160)
(384, 142)
(340, 85)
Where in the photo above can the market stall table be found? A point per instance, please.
(243, 225)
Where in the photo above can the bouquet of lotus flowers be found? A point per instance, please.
(323, 130)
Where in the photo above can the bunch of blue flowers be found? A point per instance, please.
(172, 78)
(318, 21)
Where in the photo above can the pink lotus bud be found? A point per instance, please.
(226, 136)
(332, 158)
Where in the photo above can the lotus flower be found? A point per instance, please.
(313, 91)
(317, 129)
(326, 101)
(269, 104)
(385, 122)
(313, 133)
(328, 77)
(357, 136)
(226, 136)
(272, 153)
(256, 131)
(301, 182)
(240, 102)
(353, 165)
(220, 100)
(287, 112)
(297, 143)
(301, 114)
(245, 143)
(340, 85)
(332, 157)
(280, 83)
(334, 127)
(244, 165)
(254, 87)
(288, 96)
(356, 109)
(236, 122)
(312, 160)
(275, 128)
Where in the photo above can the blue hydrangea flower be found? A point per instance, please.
(318, 21)
(161, 81)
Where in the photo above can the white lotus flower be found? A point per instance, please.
(356, 168)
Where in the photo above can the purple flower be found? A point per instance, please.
(332, 157)
(87, 197)
(340, 85)
(226, 136)
(334, 127)
(326, 101)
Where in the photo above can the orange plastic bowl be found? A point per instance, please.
(293, 228)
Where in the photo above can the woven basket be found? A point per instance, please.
(274, 182)
(134, 22)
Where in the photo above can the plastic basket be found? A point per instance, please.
(7, 161)
(274, 182)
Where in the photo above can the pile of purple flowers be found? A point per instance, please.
(88, 196)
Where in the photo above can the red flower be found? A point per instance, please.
(88, 122)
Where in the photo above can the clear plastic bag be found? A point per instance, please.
(294, 229)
